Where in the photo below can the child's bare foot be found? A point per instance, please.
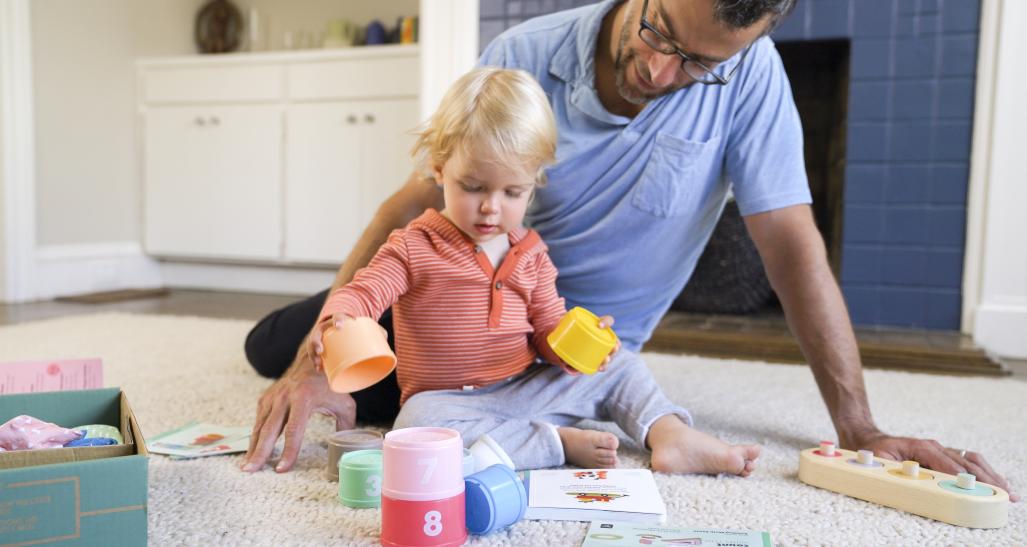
(588, 448)
(677, 448)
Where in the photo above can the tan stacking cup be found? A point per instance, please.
(356, 355)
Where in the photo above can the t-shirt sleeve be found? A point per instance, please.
(375, 287)
(764, 157)
(495, 54)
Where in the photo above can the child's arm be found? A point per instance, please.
(373, 290)
(545, 310)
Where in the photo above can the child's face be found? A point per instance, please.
(485, 198)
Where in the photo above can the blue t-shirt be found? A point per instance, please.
(631, 202)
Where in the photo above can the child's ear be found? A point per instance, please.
(436, 173)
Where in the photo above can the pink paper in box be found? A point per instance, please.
(52, 375)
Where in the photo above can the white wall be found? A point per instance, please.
(996, 259)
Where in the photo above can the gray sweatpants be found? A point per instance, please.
(520, 413)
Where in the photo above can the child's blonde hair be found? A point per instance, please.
(504, 110)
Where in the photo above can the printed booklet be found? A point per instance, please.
(195, 440)
(622, 534)
(594, 494)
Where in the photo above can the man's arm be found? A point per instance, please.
(795, 258)
(285, 407)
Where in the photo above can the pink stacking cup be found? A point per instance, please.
(423, 488)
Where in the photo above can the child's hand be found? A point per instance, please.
(315, 347)
(606, 321)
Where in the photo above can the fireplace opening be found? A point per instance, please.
(729, 277)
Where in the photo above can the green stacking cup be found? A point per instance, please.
(360, 478)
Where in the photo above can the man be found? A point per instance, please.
(663, 106)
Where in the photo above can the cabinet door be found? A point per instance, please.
(388, 138)
(213, 181)
(343, 160)
(323, 194)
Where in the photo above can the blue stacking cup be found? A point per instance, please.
(495, 498)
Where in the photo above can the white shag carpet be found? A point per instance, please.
(177, 369)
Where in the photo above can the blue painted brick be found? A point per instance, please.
(913, 99)
(948, 227)
(903, 307)
(867, 142)
(862, 224)
(861, 265)
(491, 8)
(909, 184)
(906, 225)
(865, 183)
(903, 267)
(916, 56)
(863, 303)
(945, 269)
(911, 141)
(952, 141)
(870, 58)
(514, 7)
(929, 23)
(949, 184)
(928, 7)
(872, 18)
(793, 27)
(908, 7)
(532, 8)
(905, 25)
(961, 15)
(488, 30)
(956, 99)
(829, 19)
(868, 101)
(959, 55)
(944, 311)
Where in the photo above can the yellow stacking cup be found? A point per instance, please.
(579, 341)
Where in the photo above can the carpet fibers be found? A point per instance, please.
(177, 369)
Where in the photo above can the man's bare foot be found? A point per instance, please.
(677, 448)
(588, 448)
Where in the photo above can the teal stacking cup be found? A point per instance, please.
(495, 498)
(360, 478)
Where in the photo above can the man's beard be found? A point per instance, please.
(625, 60)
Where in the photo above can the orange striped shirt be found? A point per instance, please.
(457, 320)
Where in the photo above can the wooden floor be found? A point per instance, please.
(763, 337)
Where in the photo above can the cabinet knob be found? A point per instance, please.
(200, 121)
(351, 119)
(214, 120)
(369, 118)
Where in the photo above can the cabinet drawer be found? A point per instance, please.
(375, 77)
(211, 84)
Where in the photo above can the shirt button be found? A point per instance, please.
(499, 285)
(477, 248)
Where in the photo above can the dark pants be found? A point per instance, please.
(272, 345)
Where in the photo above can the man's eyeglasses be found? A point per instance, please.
(696, 70)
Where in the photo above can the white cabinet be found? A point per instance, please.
(213, 184)
(345, 159)
(274, 158)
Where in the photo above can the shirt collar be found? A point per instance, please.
(434, 220)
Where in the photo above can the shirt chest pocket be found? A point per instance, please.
(677, 176)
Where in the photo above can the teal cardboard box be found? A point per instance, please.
(74, 496)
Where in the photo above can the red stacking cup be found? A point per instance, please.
(423, 488)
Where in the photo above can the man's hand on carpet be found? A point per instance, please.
(285, 409)
(932, 455)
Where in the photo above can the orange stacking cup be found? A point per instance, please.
(579, 341)
(356, 355)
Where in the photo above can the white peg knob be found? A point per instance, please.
(911, 469)
(966, 481)
(826, 448)
(865, 457)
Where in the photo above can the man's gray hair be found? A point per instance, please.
(740, 14)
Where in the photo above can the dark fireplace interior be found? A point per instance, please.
(729, 277)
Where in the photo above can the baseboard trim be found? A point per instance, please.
(64, 270)
(246, 278)
(1000, 328)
